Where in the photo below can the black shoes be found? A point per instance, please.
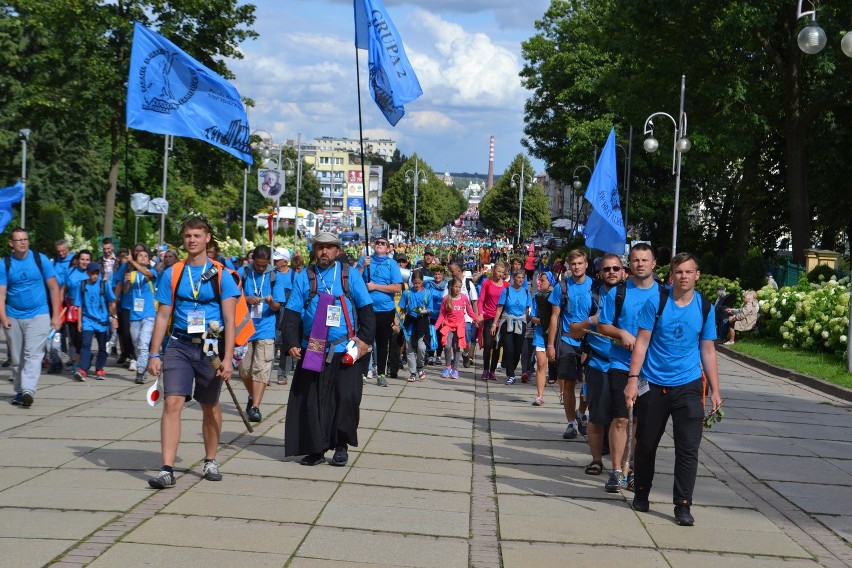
(682, 516)
(312, 459)
(641, 504)
(341, 456)
(254, 414)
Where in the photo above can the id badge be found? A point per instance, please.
(332, 316)
(139, 304)
(256, 311)
(195, 321)
(643, 387)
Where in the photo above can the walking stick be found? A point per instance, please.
(628, 454)
(239, 408)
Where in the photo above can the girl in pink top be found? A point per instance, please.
(489, 297)
(451, 326)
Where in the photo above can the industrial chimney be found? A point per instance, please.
(490, 183)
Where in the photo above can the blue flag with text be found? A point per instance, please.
(169, 92)
(605, 228)
(8, 197)
(392, 79)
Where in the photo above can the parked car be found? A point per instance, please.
(350, 238)
(555, 243)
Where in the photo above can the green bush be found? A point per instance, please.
(48, 227)
(753, 272)
(821, 273)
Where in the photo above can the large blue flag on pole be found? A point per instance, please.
(605, 228)
(169, 92)
(8, 197)
(392, 79)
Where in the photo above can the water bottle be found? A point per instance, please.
(50, 335)
(351, 354)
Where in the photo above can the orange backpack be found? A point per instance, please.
(244, 326)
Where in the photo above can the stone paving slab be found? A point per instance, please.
(246, 464)
(817, 499)
(386, 477)
(405, 444)
(134, 456)
(11, 476)
(376, 548)
(683, 559)
(757, 444)
(12, 420)
(29, 552)
(535, 518)
(43, 452)
(92, 490)
(437, 425)
(74, 428)
(50, 524)
(550, 555)
(842, 525)
(434, 408)
(793, 469)
(546, 480)
(399, 510)
(132, 554)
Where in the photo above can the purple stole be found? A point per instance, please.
(314, 359)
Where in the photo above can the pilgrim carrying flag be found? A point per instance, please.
(392, 79)
(605, 228)
(8, 197)
(169, 92)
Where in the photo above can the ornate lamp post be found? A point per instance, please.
(577, 185)
(419, 177)
(520, 179)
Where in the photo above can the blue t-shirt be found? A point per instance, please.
(580, 300)
(26, 295)
(382, 270)
(674, 356)
(206, 298)
(72, 281)
(412, 300)
(260, 285)
(628, 319)
(539, 340)
(515, 301)
(94, 305)
(61, 267)
(436, 297)
(125, 302)
(329, 281)
(598, 357)
(141, 288)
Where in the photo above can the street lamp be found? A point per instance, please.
(812, 38)
(577, 185)
(520, 179)
(24, 137)
(681, 146)
(419, 177)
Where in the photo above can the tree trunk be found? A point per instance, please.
(114, 160)
(796, 156)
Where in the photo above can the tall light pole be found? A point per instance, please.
(419, 177)
(680, 147)
(577, 185)
(298, 184)
(628, 159)
(24, 137)
(519, 179)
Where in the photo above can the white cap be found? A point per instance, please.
(281, 254)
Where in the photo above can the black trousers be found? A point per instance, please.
(684, 405)
(125, 341)
(384, 330)
(490, 348)
(513, 344)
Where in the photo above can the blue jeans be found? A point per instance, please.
(86, 350)
(140, 333)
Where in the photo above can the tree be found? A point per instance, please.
(500, 206)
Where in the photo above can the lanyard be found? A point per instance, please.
(140, 280)
(333, 279)
(196, 289)
(257, 291)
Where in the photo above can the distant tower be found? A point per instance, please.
(490, 183)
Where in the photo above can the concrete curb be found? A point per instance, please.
(815, 383)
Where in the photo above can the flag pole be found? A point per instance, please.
(364, 178)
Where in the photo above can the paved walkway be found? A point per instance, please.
(449, 473)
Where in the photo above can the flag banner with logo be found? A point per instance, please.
(393, 83)
(605, 228)
(169, 92)
(8, 197)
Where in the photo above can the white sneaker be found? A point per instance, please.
(370, 374)
(132, 366)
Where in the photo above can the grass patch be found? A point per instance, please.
(828, 367)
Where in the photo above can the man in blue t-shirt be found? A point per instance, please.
(263, 287)
(562, 348)
(384, 280)
(672, 348)
(323, 408)
(24, 312)
(187, 372)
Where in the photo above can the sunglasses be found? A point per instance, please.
(611, 269)
(385, 243)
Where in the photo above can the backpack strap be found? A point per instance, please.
(664, 297)
(620, 293)
(596, 296)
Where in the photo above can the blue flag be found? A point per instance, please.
(605, 228)
(392, 79)
(169, 92)
(8, 197)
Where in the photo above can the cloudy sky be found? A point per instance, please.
(466, 53)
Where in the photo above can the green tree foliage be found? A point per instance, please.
(437, 204)
(500, 206)
(768, 123)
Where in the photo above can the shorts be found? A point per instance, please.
(599, 396)
(470, 332)
(617, 384)
(185, 362)
(257, 361)
(568, 367)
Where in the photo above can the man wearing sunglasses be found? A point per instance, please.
(384, 279)
(602, 405)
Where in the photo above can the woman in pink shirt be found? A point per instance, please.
(451, 326)
(489, 297)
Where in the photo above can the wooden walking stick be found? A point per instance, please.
(239, 408)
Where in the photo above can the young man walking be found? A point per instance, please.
(673, 350)
(187, 371)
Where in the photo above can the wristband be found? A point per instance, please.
(590, 321)
(153, 355)
(631, 376)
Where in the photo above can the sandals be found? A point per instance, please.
(421, 375)
(412, 379)
(594, 468)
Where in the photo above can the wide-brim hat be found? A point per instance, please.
(326, 238)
